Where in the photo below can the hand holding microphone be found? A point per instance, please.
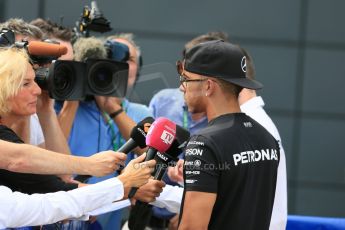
(171, 155)
(137, 136)
(137, 139)
(159, 139)
(140, 213)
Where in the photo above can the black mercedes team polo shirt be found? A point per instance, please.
(236, 158)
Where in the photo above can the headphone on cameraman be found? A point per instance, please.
(118, 51)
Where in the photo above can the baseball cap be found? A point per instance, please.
(221, 60)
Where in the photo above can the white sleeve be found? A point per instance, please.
(36, 133)
(170, 198)
(110, 208)
(18, 209)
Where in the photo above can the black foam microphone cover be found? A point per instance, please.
(180, 142)
(137, 136)
(138, 133)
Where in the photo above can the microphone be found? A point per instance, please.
(139, 215)
(38, 48)
(171, 155)
(137, 136)
(137, 139)
(89, 48)
(159, 139)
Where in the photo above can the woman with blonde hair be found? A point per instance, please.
(19, 95)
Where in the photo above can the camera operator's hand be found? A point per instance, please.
(104, 163)
(148, 192)
(67, 115)
(136, 174)
(108, 104)
(45, 105)
(112, 105)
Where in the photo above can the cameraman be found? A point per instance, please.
(64, 36)
(90, 128)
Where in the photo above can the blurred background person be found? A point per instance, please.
(134, 59)
(64, 36)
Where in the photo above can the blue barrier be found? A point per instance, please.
(314, 223)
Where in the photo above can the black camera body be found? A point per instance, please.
(72, 80)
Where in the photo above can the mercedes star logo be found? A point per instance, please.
(244, 64)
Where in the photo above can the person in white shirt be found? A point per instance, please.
(18, 209)
(252, 105)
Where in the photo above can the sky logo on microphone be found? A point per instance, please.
(167, 137)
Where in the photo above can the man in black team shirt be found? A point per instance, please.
(230, 167)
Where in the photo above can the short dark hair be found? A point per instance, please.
(20, 27)
(53, 30)
(228, 87)
(210, 36)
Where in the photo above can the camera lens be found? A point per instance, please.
(101, 78)
(64, 80)
(61, 80)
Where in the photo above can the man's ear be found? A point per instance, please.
(210, 87)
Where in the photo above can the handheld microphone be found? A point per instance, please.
(139, 215)
(171, 155)
(159, 139)
(137, 139)
(137, 136)
(38, 48)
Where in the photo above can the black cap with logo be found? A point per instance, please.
(221, 60)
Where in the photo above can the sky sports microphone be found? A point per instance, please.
(159, 139)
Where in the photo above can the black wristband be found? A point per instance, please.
(114, 114)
